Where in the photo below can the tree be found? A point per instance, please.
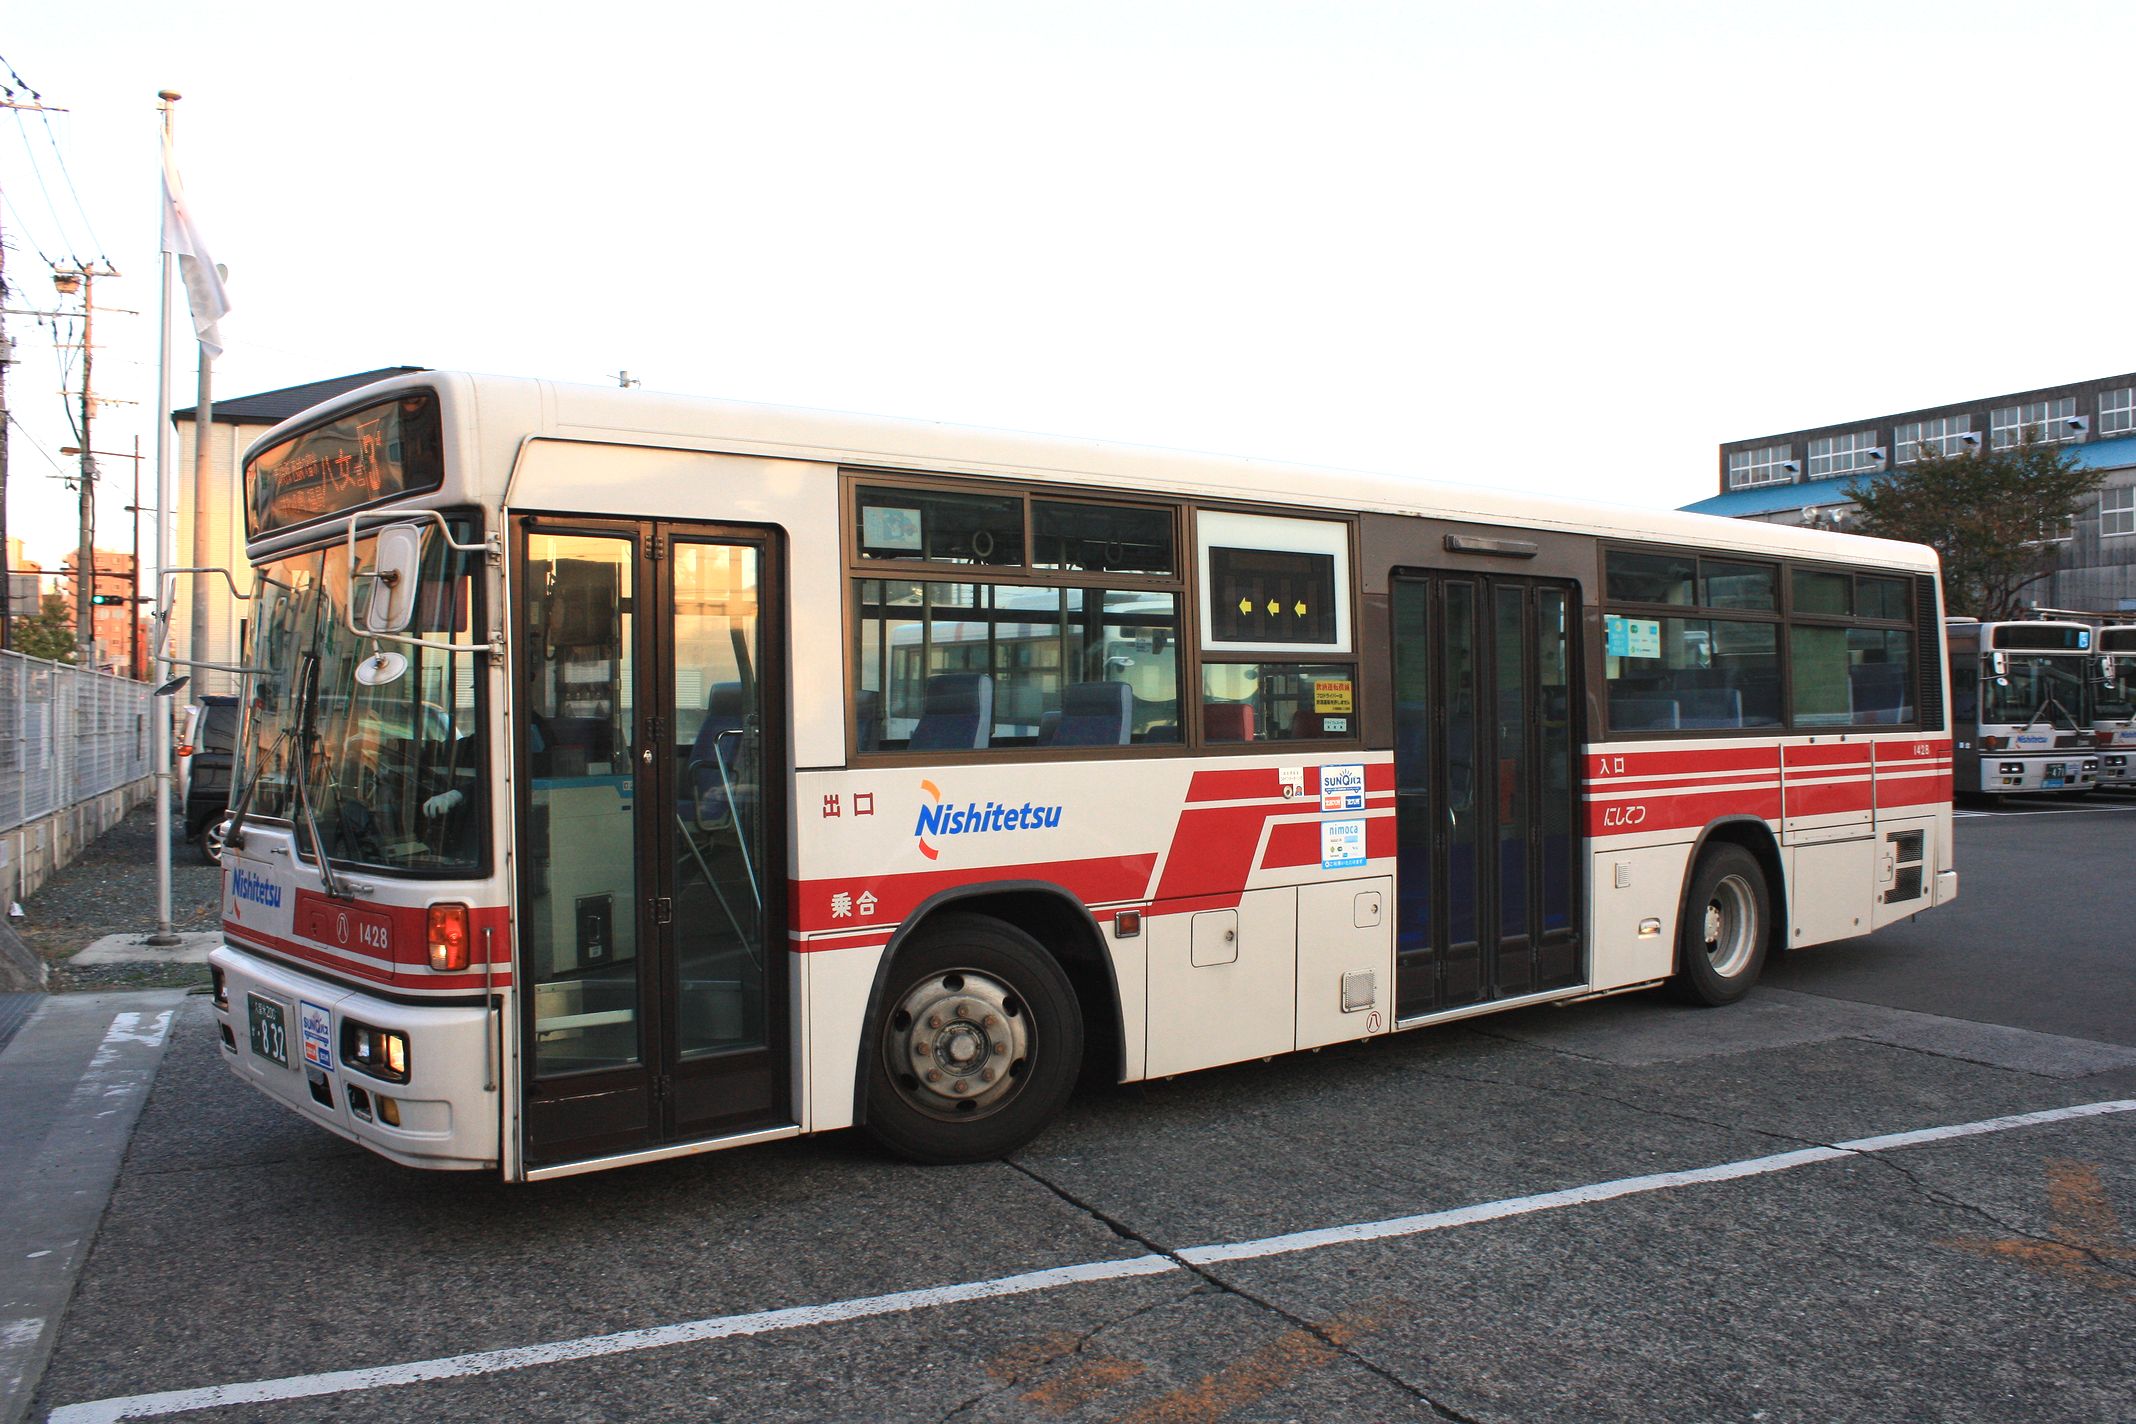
(47, 633)
(1990, 514)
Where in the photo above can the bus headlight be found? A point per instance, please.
(380, 1052)
(448, 937)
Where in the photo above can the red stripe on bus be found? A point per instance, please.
(1832, 755)
(426, 982)
(1914, 791)
(1212, 849)
(1605, 767)
(1678, 811)
(817, 904)
(1265, 783)
(1294, 843)
(400, 933)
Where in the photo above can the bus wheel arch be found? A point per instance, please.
(1734, 912)
(1030, 932)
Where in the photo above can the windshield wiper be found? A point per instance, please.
(2041, 711)
(307, 733)
(235, 836)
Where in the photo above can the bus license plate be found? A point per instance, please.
(270, 1029)
(2056, 773)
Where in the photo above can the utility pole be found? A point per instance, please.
(7, 358)
(82, 277)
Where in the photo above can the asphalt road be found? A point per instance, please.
(1827, 1273)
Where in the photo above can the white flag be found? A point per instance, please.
(203, 284)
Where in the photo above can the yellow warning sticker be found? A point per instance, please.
(1331, 695)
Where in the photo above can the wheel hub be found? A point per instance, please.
(958, 1044)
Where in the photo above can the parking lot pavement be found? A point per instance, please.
(1625, 1209)
(1981, 1277)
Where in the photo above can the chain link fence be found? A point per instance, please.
(67, 735)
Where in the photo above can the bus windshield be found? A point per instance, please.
(2045, 691)
(391, 761)
(2116, 691)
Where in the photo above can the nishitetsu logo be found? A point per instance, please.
(942, 818)
(244, 885)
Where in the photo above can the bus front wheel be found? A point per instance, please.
(978, 1043)
(1721, 943)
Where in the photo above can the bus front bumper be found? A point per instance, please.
(287, 1033)
(2002, 773)
(2117, 768)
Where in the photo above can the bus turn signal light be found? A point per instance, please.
(448, 937)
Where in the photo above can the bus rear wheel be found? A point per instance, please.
(1720, 947)
(978, 1043)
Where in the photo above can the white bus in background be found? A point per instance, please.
(2114, 707)
(2021, 707)
(626, 776)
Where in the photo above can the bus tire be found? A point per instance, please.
(978, 1042)
(1720, 946)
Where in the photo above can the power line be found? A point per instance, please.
(37, 171)
(60, 158)
(44, 113)
(23, 430)
(23, 227)
(20, 82)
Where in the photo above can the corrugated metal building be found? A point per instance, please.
(1800, 476)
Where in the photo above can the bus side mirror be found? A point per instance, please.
(395, 567)
(1998, 665)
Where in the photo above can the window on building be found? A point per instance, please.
(2117, 411)
(1760, 467)
(1945, 435)
(1847, 454)
(2117, 511)
(2042, 422)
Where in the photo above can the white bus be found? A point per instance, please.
(2113, 707)
(627, 776)
(2020, 707)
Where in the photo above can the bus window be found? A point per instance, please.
(965, 666)
(1275, 702)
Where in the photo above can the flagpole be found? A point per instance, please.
(160, 719)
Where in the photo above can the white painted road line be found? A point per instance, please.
(184, 1401)
(2042, 811)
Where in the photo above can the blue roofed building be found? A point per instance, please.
(1801, 476)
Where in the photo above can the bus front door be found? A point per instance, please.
(651, 876)
(1486, 687)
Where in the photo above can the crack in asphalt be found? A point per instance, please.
(1931, 1194)
(1128, 1233)
(1082, 1342)
(1643, 1108)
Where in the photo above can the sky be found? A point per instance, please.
(1559, 248)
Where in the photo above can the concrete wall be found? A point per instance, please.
(30, 854)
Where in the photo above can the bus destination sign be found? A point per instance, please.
(376, 453)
